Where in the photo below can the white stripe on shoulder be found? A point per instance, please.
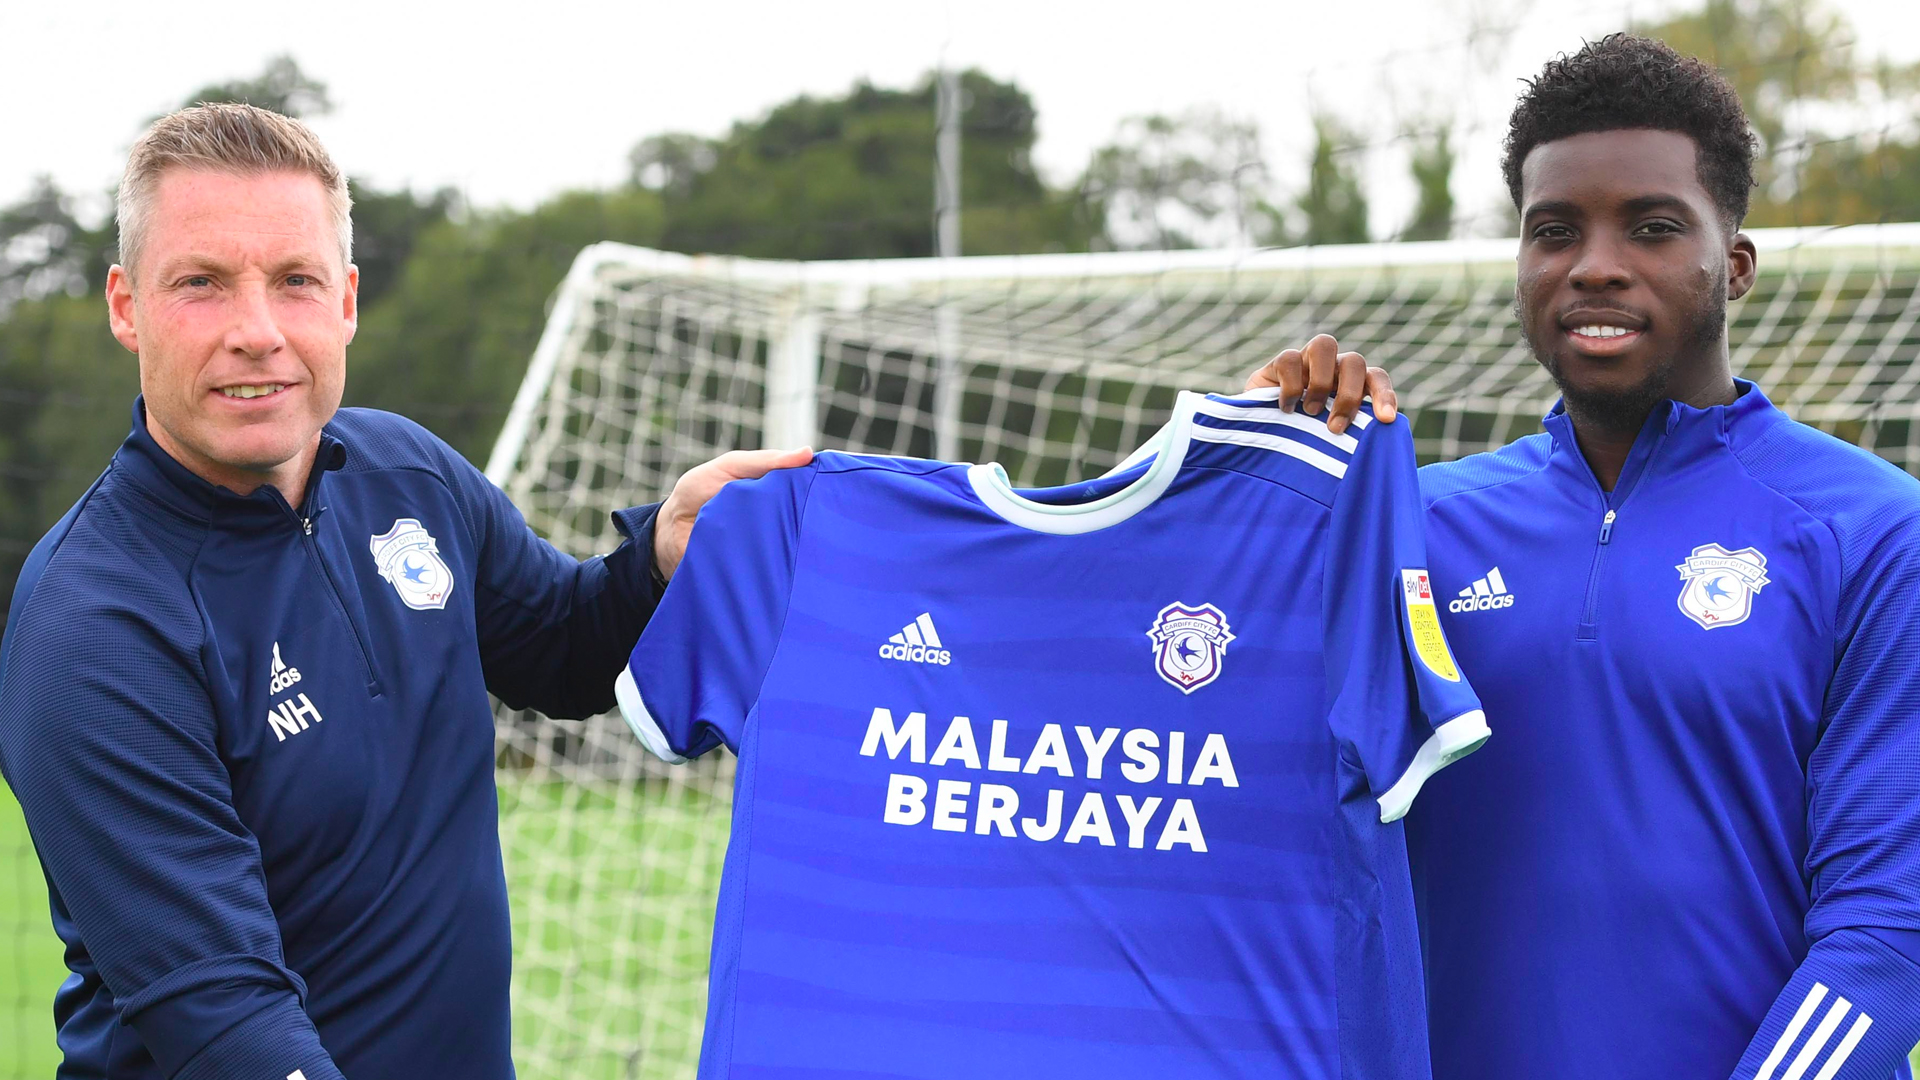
(1845, 1050)
(644, 726)
(1362, 421)
(1800, 1017)
(1261, 415)
(1326, 463)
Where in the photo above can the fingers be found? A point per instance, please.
(1282, 371)
(1386, 404)
(673, 526)
(753, 464)
(1350, 380)
(1322, 364)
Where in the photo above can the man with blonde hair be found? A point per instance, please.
(243, 688)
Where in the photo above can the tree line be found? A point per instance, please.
(453, 297)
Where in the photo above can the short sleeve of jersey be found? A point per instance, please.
(697, 670)
(1400, 704)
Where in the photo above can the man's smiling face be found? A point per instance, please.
(240, 310)
(1625, 269)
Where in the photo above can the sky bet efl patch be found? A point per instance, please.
(1423, 624)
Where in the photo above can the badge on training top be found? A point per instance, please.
(1189, 644)
(409, 558)
(1717, 586)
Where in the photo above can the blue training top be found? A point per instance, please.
(1694, 850)
(1086, 782)
(255, 752)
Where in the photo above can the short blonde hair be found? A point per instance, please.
(241, 140)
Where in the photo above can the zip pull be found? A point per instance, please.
(306, 523)
(1606, 526)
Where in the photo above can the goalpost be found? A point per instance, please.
(1056, 366)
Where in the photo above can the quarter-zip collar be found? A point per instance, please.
(174, 484)
(1671, 422)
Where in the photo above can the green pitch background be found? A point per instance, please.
(601, 902)
(31, 969)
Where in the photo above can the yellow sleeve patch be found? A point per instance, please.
(1423, 625)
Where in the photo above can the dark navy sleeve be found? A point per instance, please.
(1852, 1009)
(554, 630)
(697, 671)
(1400, 705)
(107, 737)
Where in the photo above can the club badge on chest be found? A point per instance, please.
(1718, 586)
(408, 557)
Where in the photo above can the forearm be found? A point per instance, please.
(132, 818)
(1850, 1012)
(560, 629)
(235, 1031)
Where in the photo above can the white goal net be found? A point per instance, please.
(1055, 366)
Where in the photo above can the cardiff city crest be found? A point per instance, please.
(1717, 586)
(1189, 644)
(409, 558)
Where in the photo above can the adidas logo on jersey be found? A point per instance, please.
(284, 675)
(1486, 594)
(294, 715)
(917, 642)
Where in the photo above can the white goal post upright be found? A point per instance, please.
(1054, 365)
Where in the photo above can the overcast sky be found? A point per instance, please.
(512, 102)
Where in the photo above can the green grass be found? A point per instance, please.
(612, 892)
(30, 966)
(612, 909)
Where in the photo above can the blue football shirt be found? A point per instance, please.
(1068, 782)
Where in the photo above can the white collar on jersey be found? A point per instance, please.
(1167, 448)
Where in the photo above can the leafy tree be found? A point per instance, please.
(386, 227)
(1334, 205)
(46, 250)
(852, 177)
(1179, 182)
(449, 343)
(65, 390)
(1808, 95)
(1432, 167)
(281, 87)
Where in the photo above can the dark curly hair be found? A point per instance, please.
(1629, 81)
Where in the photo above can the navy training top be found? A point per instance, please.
(255, 751)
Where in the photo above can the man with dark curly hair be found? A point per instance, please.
(1692, 849)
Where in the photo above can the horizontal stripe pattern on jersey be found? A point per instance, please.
(1069, 782)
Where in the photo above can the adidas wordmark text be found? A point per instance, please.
(1485, 594)
(918, 643)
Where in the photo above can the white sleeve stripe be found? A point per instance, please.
(1332, 466)
(1449, 743)
(645, 727)
(1787, 1037)
(1818, 1040)
(1845, 1050)
(1265, 415)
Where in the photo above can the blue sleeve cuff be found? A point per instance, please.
(1851, 1012)
(278, 1042)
